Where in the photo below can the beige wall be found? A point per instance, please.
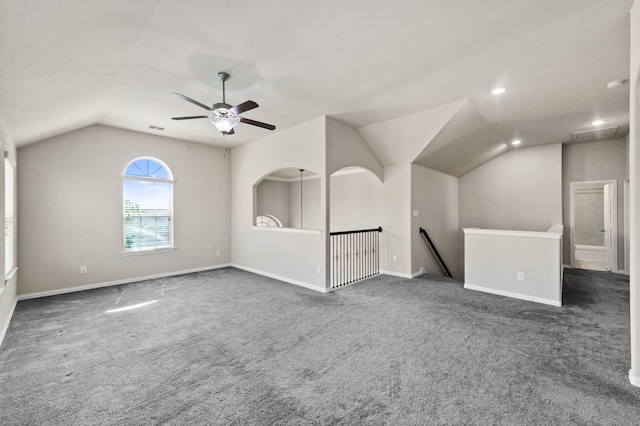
(70, 208)
(272, 198)
(520, 190)
(291, 256)
(311, 213)
(355, 201)
(347, 148)
(494, 259)
(434, 196)
(395, 218)
(594, 161)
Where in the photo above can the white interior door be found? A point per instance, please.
(608, 225)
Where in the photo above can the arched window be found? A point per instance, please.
(147, 188)
(269, 221)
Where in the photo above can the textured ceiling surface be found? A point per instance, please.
(67, 64)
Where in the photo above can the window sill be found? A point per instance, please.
(12, 273)
(137, 253)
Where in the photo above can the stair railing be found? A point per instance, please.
(354, 256)
(435, 251)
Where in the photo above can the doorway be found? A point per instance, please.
(593, 225)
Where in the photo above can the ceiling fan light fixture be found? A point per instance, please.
(498, 90)
(222, 115)
(224, 124)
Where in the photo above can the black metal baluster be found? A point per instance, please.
(354, 256)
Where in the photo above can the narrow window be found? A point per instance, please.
(9, 262)
(147, 189)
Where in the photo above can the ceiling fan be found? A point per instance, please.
(224, 116)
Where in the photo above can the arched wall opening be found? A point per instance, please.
(291, 195)
(354, 202)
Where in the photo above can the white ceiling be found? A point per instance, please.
(67, 64)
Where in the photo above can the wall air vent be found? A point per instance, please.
(589, 135)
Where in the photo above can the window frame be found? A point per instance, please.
(127, 215)
(10, 266)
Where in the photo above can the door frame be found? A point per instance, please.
(614, 215)
(627, 221)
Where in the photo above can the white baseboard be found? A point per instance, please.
(634, 378)
(117, 282)
(5, 326)
(279, 278)
(514, 295)
(398, 274)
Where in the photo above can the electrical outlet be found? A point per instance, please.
(395, 259)
(520, 276)
(217, 252)
(83, 269)
(318, 269)
(416, 213)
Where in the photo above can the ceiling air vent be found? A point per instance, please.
(589, 135)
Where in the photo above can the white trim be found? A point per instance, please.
(627, 225)
(5, 326)
(155, 160)
(138, 252)
(514, 295)
(507, 233)
(280, 278)
(294, 230)
(11, 274)
(396, 274)
(634, 378)
(614, 215)
(352, 283)
(147, 179)
(117, 282)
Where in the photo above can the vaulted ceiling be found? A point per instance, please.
(67, 64)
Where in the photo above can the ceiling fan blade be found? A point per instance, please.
(190, 117)
(245, 106)
(257, 123)
(188, 99)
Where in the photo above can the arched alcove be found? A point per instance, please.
(354, 199)
(290, 195)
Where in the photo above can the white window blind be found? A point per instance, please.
(8, 217)
(147, 206)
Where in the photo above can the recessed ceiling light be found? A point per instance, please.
(498, 91)
(597, 122)
(516, 142)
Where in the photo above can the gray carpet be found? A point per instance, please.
(227, 347)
